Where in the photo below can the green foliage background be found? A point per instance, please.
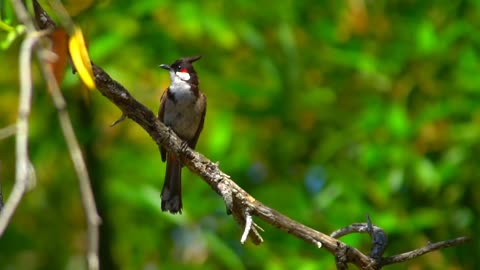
(320, 109)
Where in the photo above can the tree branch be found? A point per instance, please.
(377, 235)
(1, 193)
(21, 149)
(424, 250)
(8, 131)
(239, 203)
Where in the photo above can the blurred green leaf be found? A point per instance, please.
(224, 253)
(222, 138)
(398, 121)
(427, 174)
(427, 39)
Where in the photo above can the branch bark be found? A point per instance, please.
(239, 203)
(424, 250)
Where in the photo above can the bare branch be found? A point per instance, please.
(379, 240)
(21, 149)
(23, 15)
(378, 236)
(1, 193)
(8, 131)
(248, 226)
(426, 249)
(123, 117)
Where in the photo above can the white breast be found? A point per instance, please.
(182, 114)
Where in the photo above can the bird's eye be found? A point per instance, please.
(184, 70)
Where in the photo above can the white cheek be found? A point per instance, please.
(183, 75)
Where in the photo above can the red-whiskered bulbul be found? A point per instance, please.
(182, 108)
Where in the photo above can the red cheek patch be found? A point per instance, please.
(184, 70)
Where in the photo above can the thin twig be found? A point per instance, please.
(248, 226)
(88, 200)
(21, 148)
(426, 249)
(123, 117)
(353, 228)
(1, 193)
(8, 131)
(377, 235)
(22, 15)
(379, 240)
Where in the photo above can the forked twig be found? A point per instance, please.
(21, 143)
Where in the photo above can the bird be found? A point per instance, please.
(182, 108)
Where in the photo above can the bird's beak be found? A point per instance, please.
(164, 66)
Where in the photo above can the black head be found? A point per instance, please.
(183, 69)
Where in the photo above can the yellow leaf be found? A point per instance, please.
(80, 58)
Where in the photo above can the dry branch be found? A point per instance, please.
(424, 250)
(21, 148)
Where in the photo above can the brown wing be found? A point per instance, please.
(161, 113)
(203, 103)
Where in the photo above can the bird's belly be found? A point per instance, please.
(184, 120)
